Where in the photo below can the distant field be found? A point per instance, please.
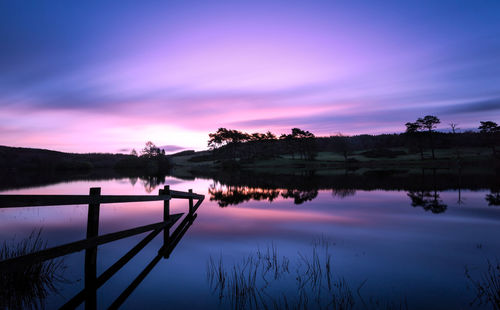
(439, 153)
(444, 158)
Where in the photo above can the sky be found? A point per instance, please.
(107, 76)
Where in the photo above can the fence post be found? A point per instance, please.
(93, 214)
(91, 253)
(166, 216)
(191, 206)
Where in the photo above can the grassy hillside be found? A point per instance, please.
(16, 158)
(381, 158)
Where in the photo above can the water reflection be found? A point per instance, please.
(25, 285)
(92, 282)
(234, 195)
(379, 235)
(431, 201)
(151, 182)
(493, 198)
(486, 284)
(29, 270)
(27, 288)
(424, 186)
(133, 180)
(300, 196)
(343, 192)
(266, 279)
(427, 200)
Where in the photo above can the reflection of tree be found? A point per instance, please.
(493, 198)
(233, 195)
(299, 196)
(418, 198)
(436, 205)
(133, 180)
(343, 192)
(152, 182)
(427, 200)
(27, 288)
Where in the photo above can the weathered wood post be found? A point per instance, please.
(166, 216)
(191, 205)
(91, 253)
(93, 213)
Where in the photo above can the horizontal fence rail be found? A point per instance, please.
(57, 251)
(14, 265)
(18, 201)
(93, 200)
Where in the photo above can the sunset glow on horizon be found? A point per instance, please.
(109, 76)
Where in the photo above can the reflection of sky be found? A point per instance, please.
(377, 235)
(99, 76)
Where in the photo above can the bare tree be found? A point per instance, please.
(454, 130)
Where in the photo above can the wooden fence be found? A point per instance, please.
(93, 239)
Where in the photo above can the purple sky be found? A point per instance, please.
(108, 76)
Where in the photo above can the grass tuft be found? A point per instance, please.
(28, 287)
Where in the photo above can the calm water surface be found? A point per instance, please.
(385, 250)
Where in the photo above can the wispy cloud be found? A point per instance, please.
(79, 78)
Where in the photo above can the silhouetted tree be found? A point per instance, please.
(228, 137)
(429, 122)
(151, 150)
(413, 131)
(490, 131)
(216, 139)
(257, 136)
(299, 133)
(225, 136)
(133, 153)
(489, 127)
(153, 159)
(270, 136)
(302, 142)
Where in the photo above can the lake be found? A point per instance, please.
(378, 242)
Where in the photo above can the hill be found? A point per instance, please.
(24, 159)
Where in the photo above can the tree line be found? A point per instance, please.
(419, 136)
(236, 143)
